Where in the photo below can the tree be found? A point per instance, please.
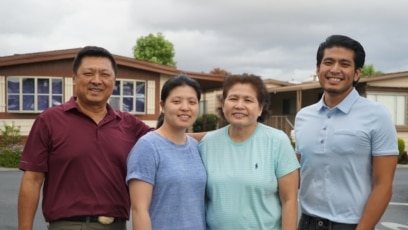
(154, 48)
(220, 71)
(368, 70)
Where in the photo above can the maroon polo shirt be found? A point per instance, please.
(84, 162)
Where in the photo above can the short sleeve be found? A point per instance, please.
(142, 163)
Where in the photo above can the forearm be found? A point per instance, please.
(289, 214)
(375, 207)
(27, 206)
(141, 220)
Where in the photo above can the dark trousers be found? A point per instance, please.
(315, 223)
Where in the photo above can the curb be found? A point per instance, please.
(3, 169)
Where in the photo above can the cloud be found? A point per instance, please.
(273, 39)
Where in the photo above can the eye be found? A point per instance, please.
(106, 74)
(327, 62)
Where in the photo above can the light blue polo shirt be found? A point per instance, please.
(336, 147)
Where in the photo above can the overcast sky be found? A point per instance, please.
(269, 38)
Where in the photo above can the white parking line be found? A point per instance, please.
(395, 203)
(394, 226)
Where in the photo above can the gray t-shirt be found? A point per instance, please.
(178, 177)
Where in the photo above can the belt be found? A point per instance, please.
(321, 222)
(91, 219)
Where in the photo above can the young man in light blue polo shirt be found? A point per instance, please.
(347, 146)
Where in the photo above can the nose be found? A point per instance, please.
(96, 79)
(185, 106)
(335, 68)
(239, 104)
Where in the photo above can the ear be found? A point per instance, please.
(74, 77)
(161, 103)
(261, 108)
(357, 74)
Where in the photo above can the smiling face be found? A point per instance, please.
(94, 81)
(337, 72)
(180, 108)
(241, 107)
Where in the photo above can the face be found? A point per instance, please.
(181, 107)
(241, 107)
(94, 81)
(337, 71)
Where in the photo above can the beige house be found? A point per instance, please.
(286, 99)
(391, 90)
(30, 83)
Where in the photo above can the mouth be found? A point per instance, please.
(334, 79)
(97, 90)
(238, 115)
(184, 117)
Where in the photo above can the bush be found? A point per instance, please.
(402, 157)
(11, 146)
(206, 122)
(10, 158)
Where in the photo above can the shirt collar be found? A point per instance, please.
(344, 105)
(72, 105)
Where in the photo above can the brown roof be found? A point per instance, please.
(207, 81)
(315, 84)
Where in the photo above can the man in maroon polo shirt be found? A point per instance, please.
(77, 152)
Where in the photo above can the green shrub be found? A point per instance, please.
(11, 146)
(402, 157)
(10, 158)
(206, 122)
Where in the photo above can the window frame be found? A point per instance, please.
(394, 112)
(116, 100)
(22, 95)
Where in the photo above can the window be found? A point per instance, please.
(289, 106)
(396, 104)
(129, 96)
(29, 94)
(202, 107)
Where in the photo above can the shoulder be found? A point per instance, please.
(216, 134)
(309, 108)
(191, 140)
(265, 130)
(372, 108)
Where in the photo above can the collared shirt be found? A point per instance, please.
(336, 147)
(84, 162)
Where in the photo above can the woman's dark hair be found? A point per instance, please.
(257, 84)
(93, 51)
(179, 80)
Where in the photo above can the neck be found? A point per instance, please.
(177, 136)
(333, 98)
(96, 113)
(241, 134)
